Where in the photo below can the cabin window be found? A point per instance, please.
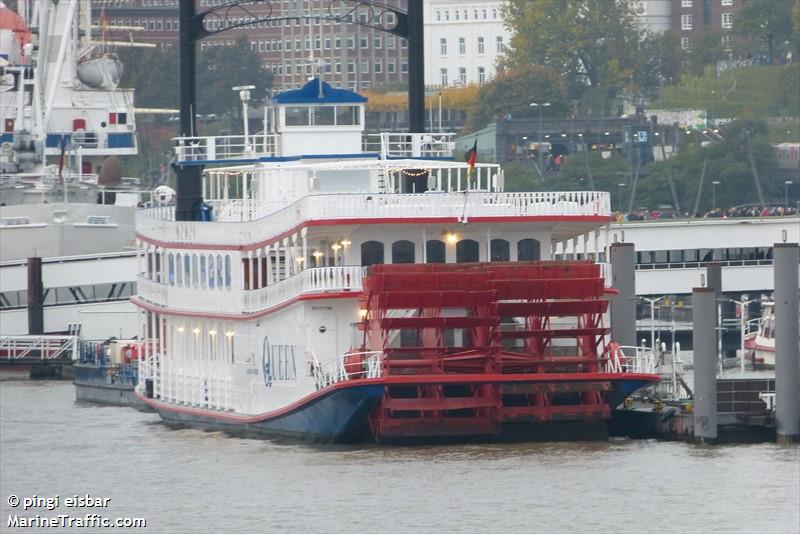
(402, 252)
(187, 278)
(323, 116)
(528, 250)
(371, 253)
(178, 270)
(203, 277)
(501, 251)
(297, 116)
(220, 272)
(347, 115)
(435, 251)
(228, 271)
(467, 250)
(171, 269)
(159, 263)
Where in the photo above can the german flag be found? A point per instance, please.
(471, 157)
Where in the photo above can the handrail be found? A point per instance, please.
(462, 206)
(49, 347)
(219, 147)
(351, 366)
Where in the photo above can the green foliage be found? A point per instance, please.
(153, 73)
(728, 163)
(590, 42)
(755, 91)
(513, 90)
(521, 176)
(769, 21)
(706, 52)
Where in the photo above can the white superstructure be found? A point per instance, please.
(463, 40)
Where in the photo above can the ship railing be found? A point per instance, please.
(313, 280)
(606, 273)
(151, 222)
(351, 366)
(225, 147)
(44, 347)
(393, 145)
(630, 359)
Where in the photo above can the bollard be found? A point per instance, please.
(704, 314)
(623, 304)
(35, 297)
(787, 343)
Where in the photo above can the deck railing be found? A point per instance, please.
(158, 222)
(410, 145)
(351, 366)
(44, 347)
(223, 147)
(310, 281)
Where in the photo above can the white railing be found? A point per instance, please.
(410, 145)
(351, 366)
(224, 147)
(158, 223)
(48, 347)
(309, 281)
(606, 273)
(315, 280)
(626, 359)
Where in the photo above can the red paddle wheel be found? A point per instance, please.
(487, 349)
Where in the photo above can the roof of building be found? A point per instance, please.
(310, 94)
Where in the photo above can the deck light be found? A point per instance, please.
(196, 331)
(336, 247)
(300, 259)
(346, 243)
(212, 332)
(180, 329)
(317, 254)
(229, 333)
(451, 237)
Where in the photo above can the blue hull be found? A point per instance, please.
(339, 416)
(625, 388)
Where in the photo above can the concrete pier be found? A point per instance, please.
(35, 297)
(623, 305)
(787, 343)
(714, 277)
(704, 317)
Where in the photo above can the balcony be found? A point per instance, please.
(243, 222)
(314, 281)
(226, 147)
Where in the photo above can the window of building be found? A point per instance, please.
(481, 46)
(378, 66)
(403, 252)
(404, 67)
(337, 42)
(443, 46)
(685, 43)
(481, 75)
(500, 44)
(457, 14)
(317, 44)
(467, 250)
(727, 20)
(466, 14)
(365, 66)
(446, 15)
(484, 13)
(462, 46)
(364, 42)
(686, 3)
(494, 13)
(686, 22)
(462, 75)
(371, 253)
(351, 42)
(391, 41)
(438, 16)
(443, 76)
(727, 2)
(727, 42)
(528, 250)
(500, 250)
(390, 66)
(435, 251)
(327, 43)
(377, 41)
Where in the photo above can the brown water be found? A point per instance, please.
(192, 481)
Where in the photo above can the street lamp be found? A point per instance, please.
(540, 105)
(619, 194)
(652, 320)
(714, 185)
(244, 95)
(742, 322)
(786, 185)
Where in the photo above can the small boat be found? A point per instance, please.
(107, 372)
(760, 345)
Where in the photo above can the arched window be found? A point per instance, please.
(371, 253)
(203, 278)
(220, 272)
(434, 251)
(500, 250)
(211, 272)
(528, 249)
(467, 250)
(228, 271)
(403, 252)
(171, 269)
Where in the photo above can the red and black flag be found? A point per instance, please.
(471, 156)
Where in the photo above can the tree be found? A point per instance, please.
(591, 43)
(767, 20)
(706, 52)
(222, 67)
(511, 92)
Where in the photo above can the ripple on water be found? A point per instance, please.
(190, 480)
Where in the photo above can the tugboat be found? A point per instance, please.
(337, 294)
(107, 373)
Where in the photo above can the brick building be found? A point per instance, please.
(691, 19)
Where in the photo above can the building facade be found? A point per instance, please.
(463, 40)
(692, 19)
(655, 16)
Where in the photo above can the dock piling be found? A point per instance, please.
(787, 343)
(704, 317)
(623, 305)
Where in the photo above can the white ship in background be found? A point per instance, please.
(64, 127)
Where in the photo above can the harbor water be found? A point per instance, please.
(194, 481)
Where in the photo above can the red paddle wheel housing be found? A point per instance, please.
(484, 349)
